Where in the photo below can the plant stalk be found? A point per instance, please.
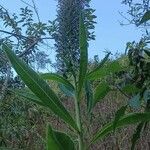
(78, 121)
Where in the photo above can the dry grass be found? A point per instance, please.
(26, 130)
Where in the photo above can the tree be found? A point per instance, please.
(136, 10)
(67, 34)
(25, 35)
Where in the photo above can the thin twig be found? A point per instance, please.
(26, 3)
(122, 92)
(14, 34)
(28, 48)
(36, 11)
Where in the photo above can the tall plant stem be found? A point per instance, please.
(78, 121)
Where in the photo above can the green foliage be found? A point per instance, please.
(83, 56)
(58, 79)
(58, 140)
(145, 17)
(89, 96)
(126, 120)
(136, 9)
(136, 135)
(100, 92)
(103, 71)
(28, 95)
(130, 89)
(39, 87)
(119, 114)
(43, 94)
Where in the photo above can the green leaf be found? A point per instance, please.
(118, 115)
(28, 95)
(57, 78)
(66, 87)
(145, 17)
(130, 89)
(126, 120)
(147, 52)
(110, 68)
(101, 63)
(100, 92)
(66, 90)
(136, 135)
(39, 87)
(83, 55)
(58, 140)
(52, 142)
(89, 96)
(65, 141)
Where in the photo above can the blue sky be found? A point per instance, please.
(110, 35)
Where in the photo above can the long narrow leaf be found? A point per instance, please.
(39, 87)
(57, 78)
(51, 140)
(136, 135)
(101, 63)
(83, 55)
(110, 68)
(58, 140)
(66, 90)
(127, 120)
(119, 114)
(28, 96)
(89, 96)
(100, 92)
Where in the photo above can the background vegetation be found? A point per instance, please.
(114, 89)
